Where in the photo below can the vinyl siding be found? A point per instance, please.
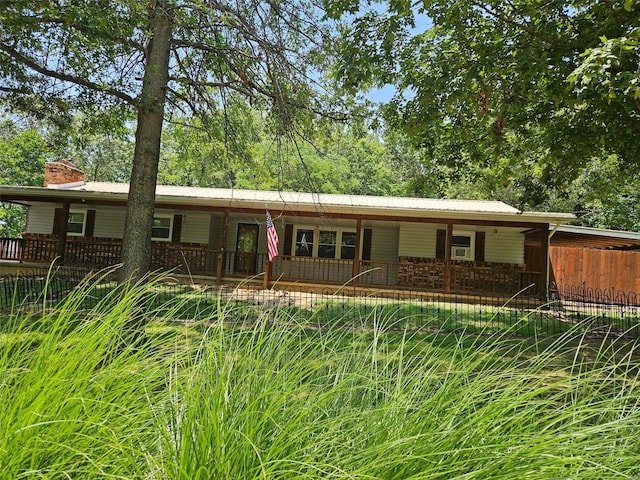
(388, 241)
(40, 219)
(505, 246)
(195, 227)
(109, 222)
(418, 240)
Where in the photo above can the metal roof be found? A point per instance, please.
(295, 201)
(588, 237)
(601, 232)
(304, 198)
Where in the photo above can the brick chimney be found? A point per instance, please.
(62, 172)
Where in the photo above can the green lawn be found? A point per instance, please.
(233, 392)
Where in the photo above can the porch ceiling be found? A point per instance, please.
(287, 202)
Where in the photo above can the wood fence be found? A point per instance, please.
(616, 270)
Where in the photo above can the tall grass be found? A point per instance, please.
(267, 397)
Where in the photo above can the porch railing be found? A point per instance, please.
(313, 269)
(98, 253)
(105, 252)
(494, 278)
(40, 248)
(197, 259)
(466, 277)
(11, 249)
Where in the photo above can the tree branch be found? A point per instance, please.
(13, 90)
(192, 83)
(180, 43)
(91, 33)
(34, 65)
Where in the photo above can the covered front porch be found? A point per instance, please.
(214, 235)
(220, 266)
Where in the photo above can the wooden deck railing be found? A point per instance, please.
(99, 253)
(105, 252)
(197, 259)
(183, 258)
(313, 269)
(40, 248)
(11, 248)
(378, 273)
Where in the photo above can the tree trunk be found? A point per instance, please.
(136, 244)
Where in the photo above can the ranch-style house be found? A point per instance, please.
(219, 235)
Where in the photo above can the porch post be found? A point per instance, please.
(223, 233)
(545, 237)
(219, 268)
(222, 256)
(267, 274)
(60, 230)
(447, 259)
(356, 256)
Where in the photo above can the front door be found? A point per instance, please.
(246, 248)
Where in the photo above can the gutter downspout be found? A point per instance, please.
(555, 228)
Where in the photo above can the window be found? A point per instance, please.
(462, 245)
(304, 243)
(329, 244)
(161, 229)
(348, 245)
(76, 223)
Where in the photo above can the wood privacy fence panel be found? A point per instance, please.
(596, 268)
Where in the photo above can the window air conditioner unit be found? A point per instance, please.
(461, 253)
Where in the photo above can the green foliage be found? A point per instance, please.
(46, 47)
(208, 151)
(23, 153)
(606, 196)
(335, 160)
(514, 101)
(272, 399)
(70, 408)
(12, 220)
(103, 152)
(610, 69)
(104, 155)
(498, 88)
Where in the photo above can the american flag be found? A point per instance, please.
(272, 238)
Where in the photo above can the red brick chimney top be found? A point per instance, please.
(62, 172)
